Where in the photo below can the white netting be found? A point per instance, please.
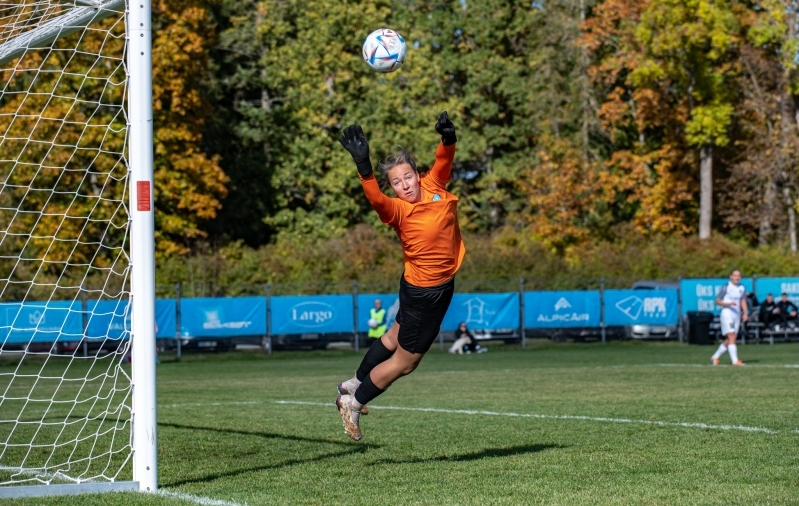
(65, 390)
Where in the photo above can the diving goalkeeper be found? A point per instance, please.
(425, 217)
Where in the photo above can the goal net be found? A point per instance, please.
(66, 396)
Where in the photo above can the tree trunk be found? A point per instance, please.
(769, 197)
(705, 191)
(585, 89)
(786, 193)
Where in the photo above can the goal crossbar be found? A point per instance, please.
(61, 26)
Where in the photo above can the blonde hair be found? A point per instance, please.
(397, 158)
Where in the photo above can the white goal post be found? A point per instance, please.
(77, 254)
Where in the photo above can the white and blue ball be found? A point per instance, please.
(384, 50)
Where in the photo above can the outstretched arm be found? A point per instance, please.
(354, 141)
(387, 208)
(445, 153)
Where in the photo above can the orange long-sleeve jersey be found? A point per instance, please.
(429, 232)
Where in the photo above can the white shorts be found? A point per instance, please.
(730, 323)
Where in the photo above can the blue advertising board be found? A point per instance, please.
(111, 319)
(165, 318)
(484, 311)
(366, 301)
(223, 317)
(641, 307)
(576, 308)
(700, 294)
(108, 319)
(776, 287)
(305, 314)
(41, 322)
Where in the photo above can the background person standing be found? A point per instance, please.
(732, 299)
(377, 322)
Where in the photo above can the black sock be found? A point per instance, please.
(367, 391)
(375, 355)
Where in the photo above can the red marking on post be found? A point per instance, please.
(143, 195)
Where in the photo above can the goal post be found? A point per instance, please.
(145, 455)
(77, 268)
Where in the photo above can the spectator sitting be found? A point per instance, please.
(787, 313)
(751, 302)
(465, 341)
(768, 311)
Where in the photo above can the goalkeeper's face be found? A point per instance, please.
(404, 180)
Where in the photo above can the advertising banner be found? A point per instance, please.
(306, 314)
(41, 322)
(108, 319)
(776, 287)
(366, 302)
(111, 319)
(641, 307)
(165, 318)
(223, 317)
(483, 311)
(577, 308)
(700, 294)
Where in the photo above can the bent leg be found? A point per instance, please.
(401, 363)
(379, 352)
(457, 346)
(389, 339)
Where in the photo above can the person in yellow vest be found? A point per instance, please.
(377, 322)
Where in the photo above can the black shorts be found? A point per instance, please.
(421, 312)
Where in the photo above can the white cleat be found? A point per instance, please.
(350, 416)
(348, 387)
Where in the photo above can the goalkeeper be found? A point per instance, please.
(425, 217)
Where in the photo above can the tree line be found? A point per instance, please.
(574, 117)
(578, 120)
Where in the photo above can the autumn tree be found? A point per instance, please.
(645, 176)
(63, 190)
(188, 182)
(688, 45)
(771, 85)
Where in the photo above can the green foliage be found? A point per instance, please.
(295, 264)
(297, 78)
(688, 43)
(708, 125)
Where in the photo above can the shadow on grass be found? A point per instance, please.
(467, 457)
(277, 465)
(268, 435)
(353, 449)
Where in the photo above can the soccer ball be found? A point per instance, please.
(372, 323)
(384, 50)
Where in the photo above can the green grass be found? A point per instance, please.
(223, 436)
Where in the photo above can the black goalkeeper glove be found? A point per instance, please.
(446, 129)
(355, 142)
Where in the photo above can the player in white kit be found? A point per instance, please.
(732, 299)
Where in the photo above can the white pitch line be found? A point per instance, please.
(690, 425)
(197, 499)
(203, 404)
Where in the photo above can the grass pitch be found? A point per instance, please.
(624, 423)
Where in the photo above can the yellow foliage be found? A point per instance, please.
(188, 183)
